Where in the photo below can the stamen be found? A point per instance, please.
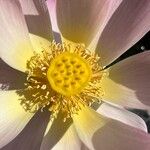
(61, 78)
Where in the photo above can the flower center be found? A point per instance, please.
(68, 74)
(61, 79)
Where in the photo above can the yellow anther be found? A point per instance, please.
(72, 76)
(61, 78)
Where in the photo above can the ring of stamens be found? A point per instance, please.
(48, 81)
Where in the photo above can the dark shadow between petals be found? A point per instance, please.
(57, 37)
(40, 24)
(57, 130)
(32, 135)
(10, 78)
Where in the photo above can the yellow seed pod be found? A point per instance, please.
(68, 73)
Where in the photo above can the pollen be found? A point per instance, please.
(61, 78)
(68, 74)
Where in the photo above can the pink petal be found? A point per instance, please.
(122, 115)
(129, 24)
(52, 11)
(37, 18)
(118, 136)
(80, 21)
(15, 46)
(133, 73)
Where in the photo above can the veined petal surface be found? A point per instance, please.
(129, 23)
(80, 21)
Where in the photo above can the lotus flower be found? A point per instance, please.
(70, 99)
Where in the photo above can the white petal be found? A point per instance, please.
(122, 115)
(39, 43)
(120, 95)
(13, 118)
(15, 47)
